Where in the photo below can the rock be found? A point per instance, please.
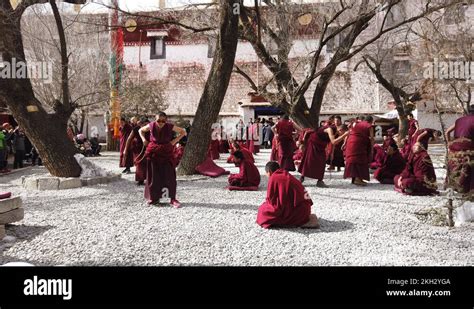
(112, 178)
(30, 183)
(48, 184)
(2, 231)
(69, 183)
(10, 204)
(9, 239)
(12, 216)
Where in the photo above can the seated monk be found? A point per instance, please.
(238, 147)
(392, 165)
(379, 156)
(287, 203)
(248, 176)
(418, 177)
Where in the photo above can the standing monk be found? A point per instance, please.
(359, 145)
(418, 177)
(134, 148)
(412, 127)
(284, 133)
(125, 130)
(313, 162)
(461, 154)
(287, 203)
(161, 172)
(392, 165)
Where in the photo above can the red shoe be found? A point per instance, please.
(175, 203)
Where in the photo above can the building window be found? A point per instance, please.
(158, 48)
(402, 66)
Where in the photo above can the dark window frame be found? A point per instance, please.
(153, 48)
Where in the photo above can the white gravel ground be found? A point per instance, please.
(112, 225)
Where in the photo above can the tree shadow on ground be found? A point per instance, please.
(22, 233)
(223, 207)
(326, 226)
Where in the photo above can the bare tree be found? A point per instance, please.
(351, 23)
(215, 88)
(50, 140)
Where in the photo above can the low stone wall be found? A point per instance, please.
(43, 183)
(10, 211)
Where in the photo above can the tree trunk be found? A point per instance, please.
(402, 126)
(214, 90)
(47, 132)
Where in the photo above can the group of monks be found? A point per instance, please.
(404, 164)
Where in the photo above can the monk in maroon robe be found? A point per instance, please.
(284, 132)
(424, 136)
(418, 177)
(313, 163)
(287, 203)
(412, 127)
(161, 164)
(125, 130)
(298, 154)
(248, 175)
(275, 146)
(213, 151)
(388, 139)
(359, 146)
(461, 154)
(178, 153)
(334, 153)
(392, 165)
(134, 147)
(378, 157)
(238, 147)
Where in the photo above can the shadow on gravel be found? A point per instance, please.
(220, 206)
(327, 226)
(26, 232)
(21, 233)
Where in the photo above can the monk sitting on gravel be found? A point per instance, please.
(418, 177)
(287, 203)
(249, 176)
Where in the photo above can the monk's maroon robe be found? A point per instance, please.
(411, 129)
(297, 157)
(391, 166)
(461, 156)
(224, 146)
(125, 131)
(313, 163)
(136, 149)
(418, 176)
(334, 153)
(247, 155)
(178, 153)
(275, 147)
(248, 175)
(357, 151)
(286, 144)
(378, 157)
(213, 151)
(425, 139)
(161, 164)
(287, 203)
